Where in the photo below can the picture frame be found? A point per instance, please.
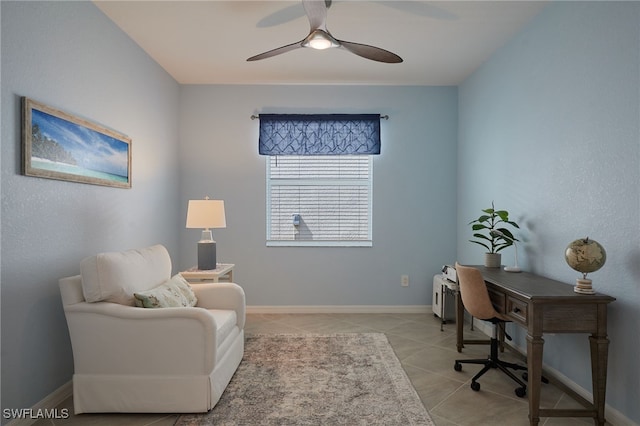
(59, 145)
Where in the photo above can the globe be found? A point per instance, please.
(585, 255)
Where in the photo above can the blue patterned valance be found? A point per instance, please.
(319, 134)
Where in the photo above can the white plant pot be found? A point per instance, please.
(492, 260)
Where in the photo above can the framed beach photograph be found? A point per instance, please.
(58, 145)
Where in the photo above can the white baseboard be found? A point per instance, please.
(340, 309)
(613, 416)
(46, 407)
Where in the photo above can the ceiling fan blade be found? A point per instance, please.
(371, 52)
(287, 14)
(277, 51)
(317, 13)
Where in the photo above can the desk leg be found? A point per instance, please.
(459, 322)
(535, 345)
(599, 355)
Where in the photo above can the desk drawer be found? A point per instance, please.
(517, 310)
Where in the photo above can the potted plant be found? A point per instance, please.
(490, 232)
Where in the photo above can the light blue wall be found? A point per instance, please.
(413, 200)
(70, 56)
(549, 129)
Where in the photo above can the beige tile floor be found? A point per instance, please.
(427, 355)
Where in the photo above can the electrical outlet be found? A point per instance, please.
(404, 280)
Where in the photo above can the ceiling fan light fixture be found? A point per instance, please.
(319, 43)
(320, 40)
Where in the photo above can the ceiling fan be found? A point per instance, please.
(320, 38)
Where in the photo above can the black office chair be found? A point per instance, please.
(475, 298)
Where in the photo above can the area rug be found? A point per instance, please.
(328, 379)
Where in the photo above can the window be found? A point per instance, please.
(319, 200)
(319, 177)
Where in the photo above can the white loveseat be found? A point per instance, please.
(133, 359)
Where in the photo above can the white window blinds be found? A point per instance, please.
(319, 200)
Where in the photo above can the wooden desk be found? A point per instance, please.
(542, 305)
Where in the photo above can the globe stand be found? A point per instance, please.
(583, 286)
(585, 256)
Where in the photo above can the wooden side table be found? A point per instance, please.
(196, 276)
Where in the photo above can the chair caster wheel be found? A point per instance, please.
(521, 392)
(475, 386)
(457, 366)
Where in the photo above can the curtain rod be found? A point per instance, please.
(383, 117)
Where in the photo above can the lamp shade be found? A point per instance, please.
(206, 214)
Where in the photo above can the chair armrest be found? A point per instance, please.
(108, 338)
(134, 312)
(222, 296)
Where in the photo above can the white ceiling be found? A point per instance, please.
(208, 42)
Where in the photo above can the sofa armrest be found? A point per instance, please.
(108, 338)
(222, 296)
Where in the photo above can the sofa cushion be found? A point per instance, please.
(115, 276)
(175, 292)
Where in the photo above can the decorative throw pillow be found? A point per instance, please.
(175, 292)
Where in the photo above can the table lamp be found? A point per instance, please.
(515, 267)
(206, 214)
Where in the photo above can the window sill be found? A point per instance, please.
(293, 243)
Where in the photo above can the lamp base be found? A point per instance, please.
(512, 269)
(207, 255)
